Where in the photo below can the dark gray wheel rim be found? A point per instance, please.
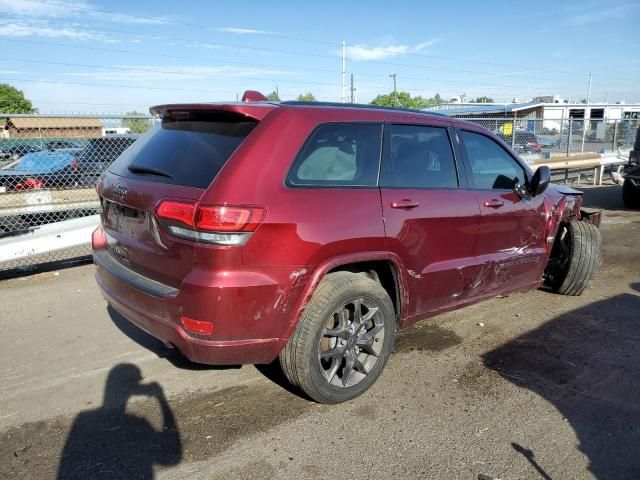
(351, 342)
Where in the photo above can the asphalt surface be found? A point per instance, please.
(547, 387)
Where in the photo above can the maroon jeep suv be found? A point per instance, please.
(241, 232)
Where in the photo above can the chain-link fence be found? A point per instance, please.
(49, 165)
(535, 139)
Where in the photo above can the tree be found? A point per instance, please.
(136, 125)
(273, 97)
(483, 99)
(405, 100)
(13, 100)
(307, 97)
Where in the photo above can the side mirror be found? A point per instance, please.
(540, 181)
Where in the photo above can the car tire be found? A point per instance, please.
(630, 194)
(579, 261)
(343, 339)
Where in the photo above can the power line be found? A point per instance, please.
(186, 57)
(140, 87)
(178, 22)
(163, 55)
(269, 34)
(172, 72)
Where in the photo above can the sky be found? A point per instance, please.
(95, 56)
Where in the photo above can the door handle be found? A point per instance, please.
(405, 204)
(493, 203)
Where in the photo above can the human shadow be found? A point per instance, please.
(108, 442)
(587, 364)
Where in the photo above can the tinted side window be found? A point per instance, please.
(339, 154)
(492, 168)
(419, 157)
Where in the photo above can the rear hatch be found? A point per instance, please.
(175, 161)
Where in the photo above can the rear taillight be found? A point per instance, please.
(30, 184)
(178, 211)
(228, 219)
(218, 224)
(75, 165)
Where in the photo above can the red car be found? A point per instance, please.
(242, 232)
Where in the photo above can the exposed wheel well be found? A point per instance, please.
(382, 271)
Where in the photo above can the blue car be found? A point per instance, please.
(44, 169)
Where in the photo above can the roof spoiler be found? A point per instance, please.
(254, 111)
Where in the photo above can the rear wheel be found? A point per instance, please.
(575, 258)
(631, 193)
(343, 340)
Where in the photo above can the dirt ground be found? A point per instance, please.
(548, 387)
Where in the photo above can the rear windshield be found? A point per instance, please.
(187, 151)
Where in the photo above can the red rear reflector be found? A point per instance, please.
(179, 211)
(197, 326)
(228, 219)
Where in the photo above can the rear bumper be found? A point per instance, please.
(238, 352)
(247, 308)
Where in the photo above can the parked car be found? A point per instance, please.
(547, 142)
(525, 141)
(240, 233)
(18, 151)
(44, 169)
(99, 154)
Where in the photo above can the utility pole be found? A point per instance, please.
(395, 90)
(584, 118)
(353, 91)
(344, 72)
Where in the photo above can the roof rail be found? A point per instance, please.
(361, 105)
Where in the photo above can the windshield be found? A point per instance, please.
(45, 162)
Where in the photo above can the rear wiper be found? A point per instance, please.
(142, 170)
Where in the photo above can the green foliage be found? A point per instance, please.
(273, 97)
(13, 100)
(307, 97)
(483, 99)
(136, 125)
(405, 100)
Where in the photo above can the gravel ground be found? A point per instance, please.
(548, 387)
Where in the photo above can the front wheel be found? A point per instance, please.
(343, 340)
(575, 258)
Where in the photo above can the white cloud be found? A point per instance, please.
(68, 9)
(169, 72)
(362, 52)
(41, 29)
(244, 31)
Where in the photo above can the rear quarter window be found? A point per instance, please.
(189, 151)
(339, 154)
